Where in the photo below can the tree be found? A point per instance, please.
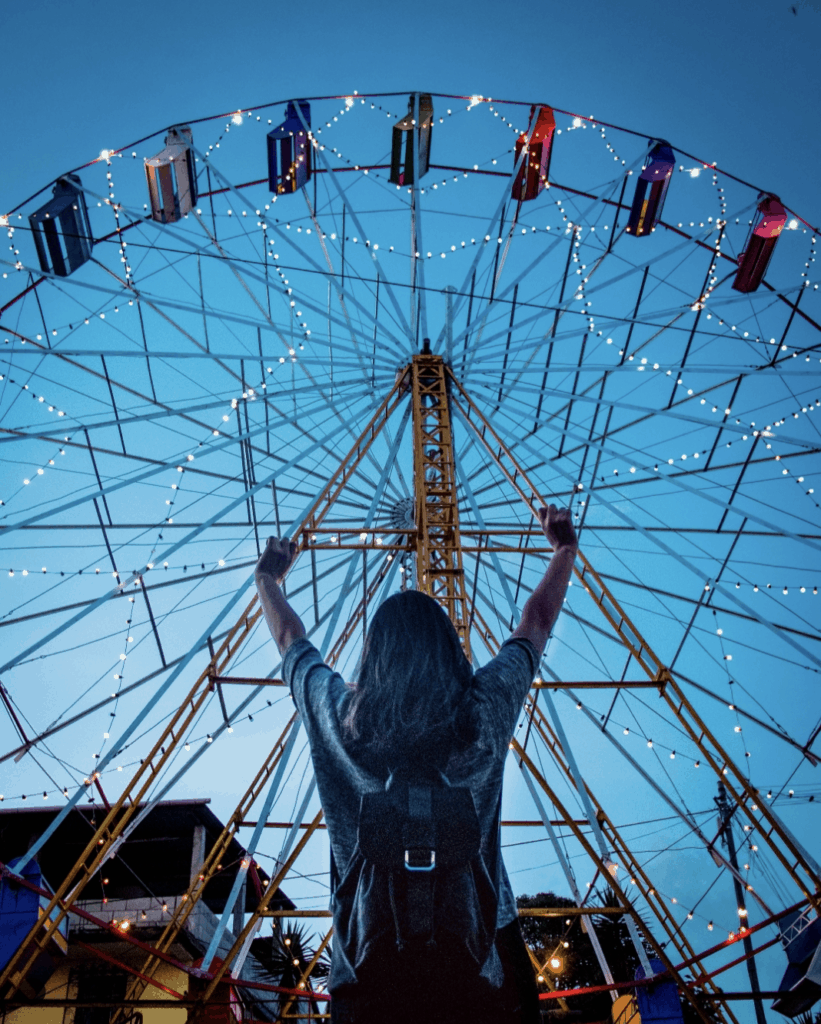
(279, 959)
(567, 938)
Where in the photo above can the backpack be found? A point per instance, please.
(417, 900)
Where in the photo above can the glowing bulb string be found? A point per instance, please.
(454, 248)
(691, 912)
(226, 724)
(41, 469)
(4, 222)
(118, 676)
(217, 637)
(108, 490)
(777, 729)
(118, 227)
(310, 259)
(206, 739)
(265, 482)
(189, 457)
(683, 485)
(129, 283)
(737, 428)
(576, 123)
(472, 102)
(652, 538)
(249, 394)
(596, 122)
(670, 461)
(89, 779)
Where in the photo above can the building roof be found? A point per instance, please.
(155, 860)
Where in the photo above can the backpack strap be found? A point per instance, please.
(334, 873)
(419, 842)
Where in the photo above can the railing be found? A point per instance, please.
(146, 912)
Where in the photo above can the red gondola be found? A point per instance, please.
(532, 175)
(768, 225)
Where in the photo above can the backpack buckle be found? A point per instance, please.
(418, 855)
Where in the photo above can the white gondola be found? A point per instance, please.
(172, 182)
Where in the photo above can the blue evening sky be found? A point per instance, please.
(726, 81)
(729, 81)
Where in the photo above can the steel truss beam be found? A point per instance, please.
(603, 868)
(798, 864)
(437, 543)
(554, 748)
(439, 567)
(622, 853)
(238, 820)
(104, 841)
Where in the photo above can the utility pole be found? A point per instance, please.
(726, 811)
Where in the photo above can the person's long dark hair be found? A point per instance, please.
(411, 702)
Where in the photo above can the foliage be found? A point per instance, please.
(272, 962)
(546, 936)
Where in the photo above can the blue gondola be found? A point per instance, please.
(658, 1002)
(761, 241)
(402, 141)
(533, 170)
(800, 988)
(20, 907)
(289, 151)
(172, 181)
(61, 230)
(651, 190)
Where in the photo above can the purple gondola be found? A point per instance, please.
(651, 190)
(402, 162)
(768, 225)
(289, 150)
(533, 171)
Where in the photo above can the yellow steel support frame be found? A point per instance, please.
(748, 799)
(544, 731)
(440, 573)
(439, 570)
(125, 807)
(624, 857)
(211, 866)
(305, 974)
(620, 894)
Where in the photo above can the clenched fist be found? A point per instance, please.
(558, 527)
(276, 559)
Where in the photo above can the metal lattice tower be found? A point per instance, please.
(439, 568)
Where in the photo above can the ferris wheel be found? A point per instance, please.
(391, 327)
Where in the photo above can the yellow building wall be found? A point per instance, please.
(57, 988)
(172, 978)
